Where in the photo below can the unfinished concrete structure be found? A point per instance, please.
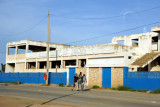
(30, 56)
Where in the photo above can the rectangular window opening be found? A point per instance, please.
(135, 42)
(56, 64)
(31, 65)
(43, 65)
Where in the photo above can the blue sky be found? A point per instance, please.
(19, 17)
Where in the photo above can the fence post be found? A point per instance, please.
(125, 75)
(18, 76)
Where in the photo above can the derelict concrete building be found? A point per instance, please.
(139, 52)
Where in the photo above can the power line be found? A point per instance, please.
(109, 34)
(31, 28)
(112, 33)
(107, 17)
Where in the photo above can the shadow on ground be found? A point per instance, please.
(59, 97)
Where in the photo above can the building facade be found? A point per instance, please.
(31, 56)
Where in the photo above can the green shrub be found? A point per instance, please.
(95, 87)
(157, 91)
(123, 88)
(68, 85)
(61, 85)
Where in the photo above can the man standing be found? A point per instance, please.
(80, 80)
(84, 81)
(75, 82)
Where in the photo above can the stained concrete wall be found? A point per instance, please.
(116, 77)
(9, 68)
(95, 77)
(20, 56)
(83, 70)
(20, 67)
(144, 41)
(86, 50)
(10, 57)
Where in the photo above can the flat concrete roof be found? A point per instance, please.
(156, 29)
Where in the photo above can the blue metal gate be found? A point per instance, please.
(106, 77)
(71, 76)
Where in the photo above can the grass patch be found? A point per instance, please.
(123, 88)
(69, 86)
(61, 85)
(114, 88)
(157, 91)
(14, 83)
(141, 91)
(95, 87)
(45, 84)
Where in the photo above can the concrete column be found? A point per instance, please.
(159, 42)
(79, 63)
(149, 66)
(87, 62)
(87, 76)
(50, 64)
(36, 64)
(16, 50)
(26, 56)
(126, 60)
(61, 63)
(27, 66)
(64, 63)
(7, 51)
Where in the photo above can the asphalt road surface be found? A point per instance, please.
(90, 98)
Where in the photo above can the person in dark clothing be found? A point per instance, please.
(75, 82)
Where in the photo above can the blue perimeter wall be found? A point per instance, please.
(143, 80)
(36, 78)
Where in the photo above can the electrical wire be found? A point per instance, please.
(31, 28)
(112, 33)
(106, 16)
(108, 34)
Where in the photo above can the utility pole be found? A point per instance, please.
(47, 70)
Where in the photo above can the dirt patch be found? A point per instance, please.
(6, 101)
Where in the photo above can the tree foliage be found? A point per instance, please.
(2, 67)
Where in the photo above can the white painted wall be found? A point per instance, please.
(107, 62)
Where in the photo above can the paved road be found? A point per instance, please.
(92, 98)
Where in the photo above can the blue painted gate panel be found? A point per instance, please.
(58, 78)
(71, 76)
(41, 78)
(106, 77)
(143, 80)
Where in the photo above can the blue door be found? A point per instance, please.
(71, 76)
(106, 77)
